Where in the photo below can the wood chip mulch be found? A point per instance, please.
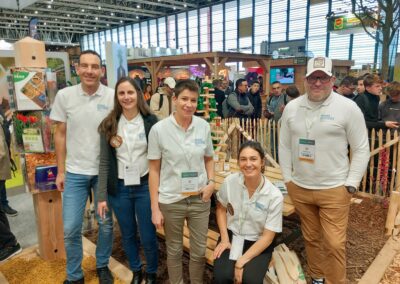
(365, 238)
(31, 269)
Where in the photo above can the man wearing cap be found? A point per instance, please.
(315, 133)
(160, 102)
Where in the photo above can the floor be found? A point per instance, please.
(23, 225)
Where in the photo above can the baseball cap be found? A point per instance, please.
(170, 82)
(323, 64)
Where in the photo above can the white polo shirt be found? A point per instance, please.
(335, 124)
(251, 215)
(82, 114)
(179, 151)
(134, 145)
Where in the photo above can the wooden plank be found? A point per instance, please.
(49, 223)
(378, 267)
(120, 270)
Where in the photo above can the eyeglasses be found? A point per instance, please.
(323, 80)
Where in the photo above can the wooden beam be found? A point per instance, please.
(266, 65)
(159, 66)
(215, 69)
(209, 63)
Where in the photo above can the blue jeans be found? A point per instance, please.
(76, 192)
(132, 208)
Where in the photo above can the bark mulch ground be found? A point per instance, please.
(365, 238)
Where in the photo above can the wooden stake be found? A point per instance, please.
(371, 162)
(394, 207)
(394, 162)
(378, 174)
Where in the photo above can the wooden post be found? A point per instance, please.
(394, 207)
(49, 223)
(378, 173)
(371, 162)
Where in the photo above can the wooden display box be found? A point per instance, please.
(30, 52)
(49, 223)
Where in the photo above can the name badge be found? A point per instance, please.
(307, 150)
(236, 247)
(190, 183)
(131, 175)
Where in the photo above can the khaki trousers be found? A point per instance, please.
(196, 212)
(324, 217)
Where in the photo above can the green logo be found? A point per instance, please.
(20, 75)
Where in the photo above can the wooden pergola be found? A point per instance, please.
(215, 61)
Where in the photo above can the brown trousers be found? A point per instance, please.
(324, 217)
(196, 212)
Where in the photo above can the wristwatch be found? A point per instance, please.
(351, 189)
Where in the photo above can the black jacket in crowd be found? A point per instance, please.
(219, 97)
(369, 104)
(255, 100)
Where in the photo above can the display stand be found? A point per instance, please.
(34, 141)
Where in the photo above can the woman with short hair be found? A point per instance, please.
(182, 181)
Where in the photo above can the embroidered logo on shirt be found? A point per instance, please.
(326, 117)
(101, 107)
(259, 206)
(199, 141)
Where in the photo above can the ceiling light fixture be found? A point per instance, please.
(137, 17)
(45, 23)
(108, 25)
(99, 7)
(112, 14)
(25, 17)
(185, 5)
(36, 12)
(68, 15)
(174, 8)
(121, 21)
(97, 18)
(49, 6)
(138, 6)
(83, 10)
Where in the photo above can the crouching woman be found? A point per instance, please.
(249, 213)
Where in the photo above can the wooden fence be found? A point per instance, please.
(379, 179)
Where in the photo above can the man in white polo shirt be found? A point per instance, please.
(315, 133)
(78, 111)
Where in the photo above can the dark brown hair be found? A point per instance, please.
(188, 84)
(369, 80)
(256, 146)
(109, 126)
(89, 51)
(393, 89)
